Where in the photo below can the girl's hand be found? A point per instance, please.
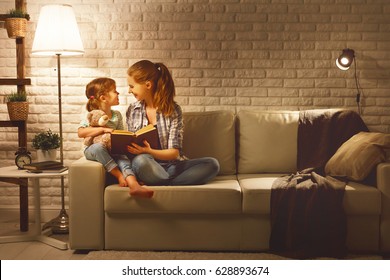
(137, 149)
(107, 130)
(92, 131)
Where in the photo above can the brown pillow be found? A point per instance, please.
(358, 156)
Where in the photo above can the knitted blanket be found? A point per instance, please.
(307, 214)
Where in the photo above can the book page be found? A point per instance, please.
(125, 132)
(145, 129)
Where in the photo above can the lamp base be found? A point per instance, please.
(60, 224)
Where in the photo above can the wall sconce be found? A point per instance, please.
(343, 62)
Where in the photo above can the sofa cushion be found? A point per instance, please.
(359, 155)
(218, 196)
(267, 141)
(359, 199)
(211, 134)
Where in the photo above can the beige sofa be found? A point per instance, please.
(231, 212)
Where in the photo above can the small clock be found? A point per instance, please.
(22, 157)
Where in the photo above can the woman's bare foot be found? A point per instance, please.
(141, 192)
(121, 180)
(136, 189)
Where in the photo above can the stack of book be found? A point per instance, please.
(45, 167)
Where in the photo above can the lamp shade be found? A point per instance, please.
(57, 32)
(345, 60)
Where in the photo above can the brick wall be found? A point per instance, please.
(224, 54)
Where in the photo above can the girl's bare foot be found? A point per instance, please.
(121, 180)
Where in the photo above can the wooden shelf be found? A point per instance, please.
(15, 82)
(22, 130)
(20, 82)
(3, 17)
(23, 183)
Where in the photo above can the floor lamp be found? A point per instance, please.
(57, 35)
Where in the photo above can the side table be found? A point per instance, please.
(37, 234)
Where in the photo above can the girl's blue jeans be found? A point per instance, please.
(187, 172)
(98, 152)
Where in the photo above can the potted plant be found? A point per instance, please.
(46, 143)
(17, 105)
(16, 23)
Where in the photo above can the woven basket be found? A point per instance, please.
(17, 111)
(16, 27)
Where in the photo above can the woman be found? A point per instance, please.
(153, 87)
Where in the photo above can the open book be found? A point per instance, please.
(120, 139)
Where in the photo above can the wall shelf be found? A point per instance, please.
(3, 17)
(22, 182)
(21, 82)
(15, 82)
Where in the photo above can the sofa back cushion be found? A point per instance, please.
(267, 141)
(211, 134)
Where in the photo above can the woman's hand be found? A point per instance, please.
(137, 149)
(167, 154)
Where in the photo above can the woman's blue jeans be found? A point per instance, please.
(187, 172)
(98, 152)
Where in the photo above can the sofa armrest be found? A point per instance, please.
(383, 184)
(86, 219)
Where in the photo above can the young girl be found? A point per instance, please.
(102, 94)
(153, 87)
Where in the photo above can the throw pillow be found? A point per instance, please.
(358, 156)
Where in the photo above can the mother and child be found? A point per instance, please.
(153, 87)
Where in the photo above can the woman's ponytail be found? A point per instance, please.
(165, 91)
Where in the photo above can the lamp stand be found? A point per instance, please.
(357, 88)
(60, 224)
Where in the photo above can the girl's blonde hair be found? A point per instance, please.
(162, 83)
(95, 89)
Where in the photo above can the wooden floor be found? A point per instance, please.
(33, 250)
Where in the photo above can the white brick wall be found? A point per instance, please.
(223, 55)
